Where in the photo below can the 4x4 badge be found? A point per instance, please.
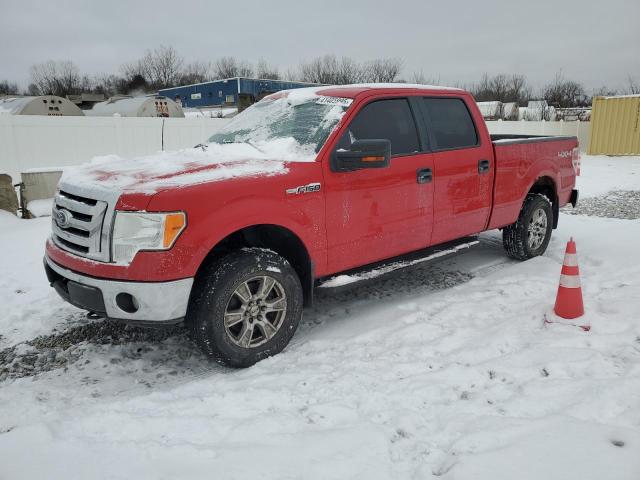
(312, 187)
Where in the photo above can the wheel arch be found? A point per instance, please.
(273, 237)
(545, 185)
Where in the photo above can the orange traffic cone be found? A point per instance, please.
(569, 299)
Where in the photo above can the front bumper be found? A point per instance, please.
(153, 302)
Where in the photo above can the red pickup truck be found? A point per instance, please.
(232, 236)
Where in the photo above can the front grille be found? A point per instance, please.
(77, 224)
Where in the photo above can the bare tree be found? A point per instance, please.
(383, 70)
(55, 78)
(110, 84)
(604, 92)
(328, 69)
(133, 70)
(347, 71)
(565, 93)
(164, 66)
(422, 79)
(292, 74)
(502, 88)
(8, 88)
(490, 89)
(518, 90)
(320, 70)
(265, 70)
(224, 67)
(160, 67)
(633, 86)
(481, 91)
(229, 67)
(244, 69)
(195, 72)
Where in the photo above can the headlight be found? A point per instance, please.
(135, 231)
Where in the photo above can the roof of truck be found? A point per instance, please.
(351, 91)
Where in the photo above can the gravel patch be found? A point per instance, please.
(62, 349)
(624, 204)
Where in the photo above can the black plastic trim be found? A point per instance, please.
(78, 295)
(518, 139)
(573, 199)
(424, 175)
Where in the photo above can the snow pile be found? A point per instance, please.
(212, 112)
(184, 167)
(40, 208)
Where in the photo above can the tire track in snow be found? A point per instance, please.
(165, 358)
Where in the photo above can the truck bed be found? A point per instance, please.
(521, 161)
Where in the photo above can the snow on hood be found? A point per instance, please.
(214, 162)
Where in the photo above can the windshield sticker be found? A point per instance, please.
(343, 102)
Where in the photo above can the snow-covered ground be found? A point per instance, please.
(446, 370)
(210, 112)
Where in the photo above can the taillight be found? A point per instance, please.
(575, 160)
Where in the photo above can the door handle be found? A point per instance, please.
(483, 166)
(424, 175)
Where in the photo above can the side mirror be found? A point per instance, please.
(363, 154)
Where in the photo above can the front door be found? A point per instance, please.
(377, 213)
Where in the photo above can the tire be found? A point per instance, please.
(528, 237)
(229, 323)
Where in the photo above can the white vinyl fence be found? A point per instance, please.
(39, 142)
(576, 129)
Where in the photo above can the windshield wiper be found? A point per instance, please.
(244, 142)
(254, 146)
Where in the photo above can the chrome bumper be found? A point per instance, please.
(155, 302)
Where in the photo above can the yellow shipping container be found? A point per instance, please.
(615, 126)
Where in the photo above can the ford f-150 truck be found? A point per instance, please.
(232, 236)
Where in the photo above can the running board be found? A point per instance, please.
(386, 267)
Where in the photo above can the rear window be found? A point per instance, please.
(450, 123)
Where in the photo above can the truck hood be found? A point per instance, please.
(213, 162)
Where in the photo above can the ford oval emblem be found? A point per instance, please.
(63, 218)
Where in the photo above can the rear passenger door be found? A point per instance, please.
(462, 172)
(377, 213)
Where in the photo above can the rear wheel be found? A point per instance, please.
(529, 236)
(246, 306)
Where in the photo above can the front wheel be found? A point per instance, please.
(246, 306)
(529, 236)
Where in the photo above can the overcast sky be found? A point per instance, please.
(453, 41)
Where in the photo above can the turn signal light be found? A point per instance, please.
(174, 223)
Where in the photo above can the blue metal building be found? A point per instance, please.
(225, 92)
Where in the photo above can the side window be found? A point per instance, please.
(450, 122)
(384, 119)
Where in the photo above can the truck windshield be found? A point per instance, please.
(306, 118)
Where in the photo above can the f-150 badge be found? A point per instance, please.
(310, 188)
